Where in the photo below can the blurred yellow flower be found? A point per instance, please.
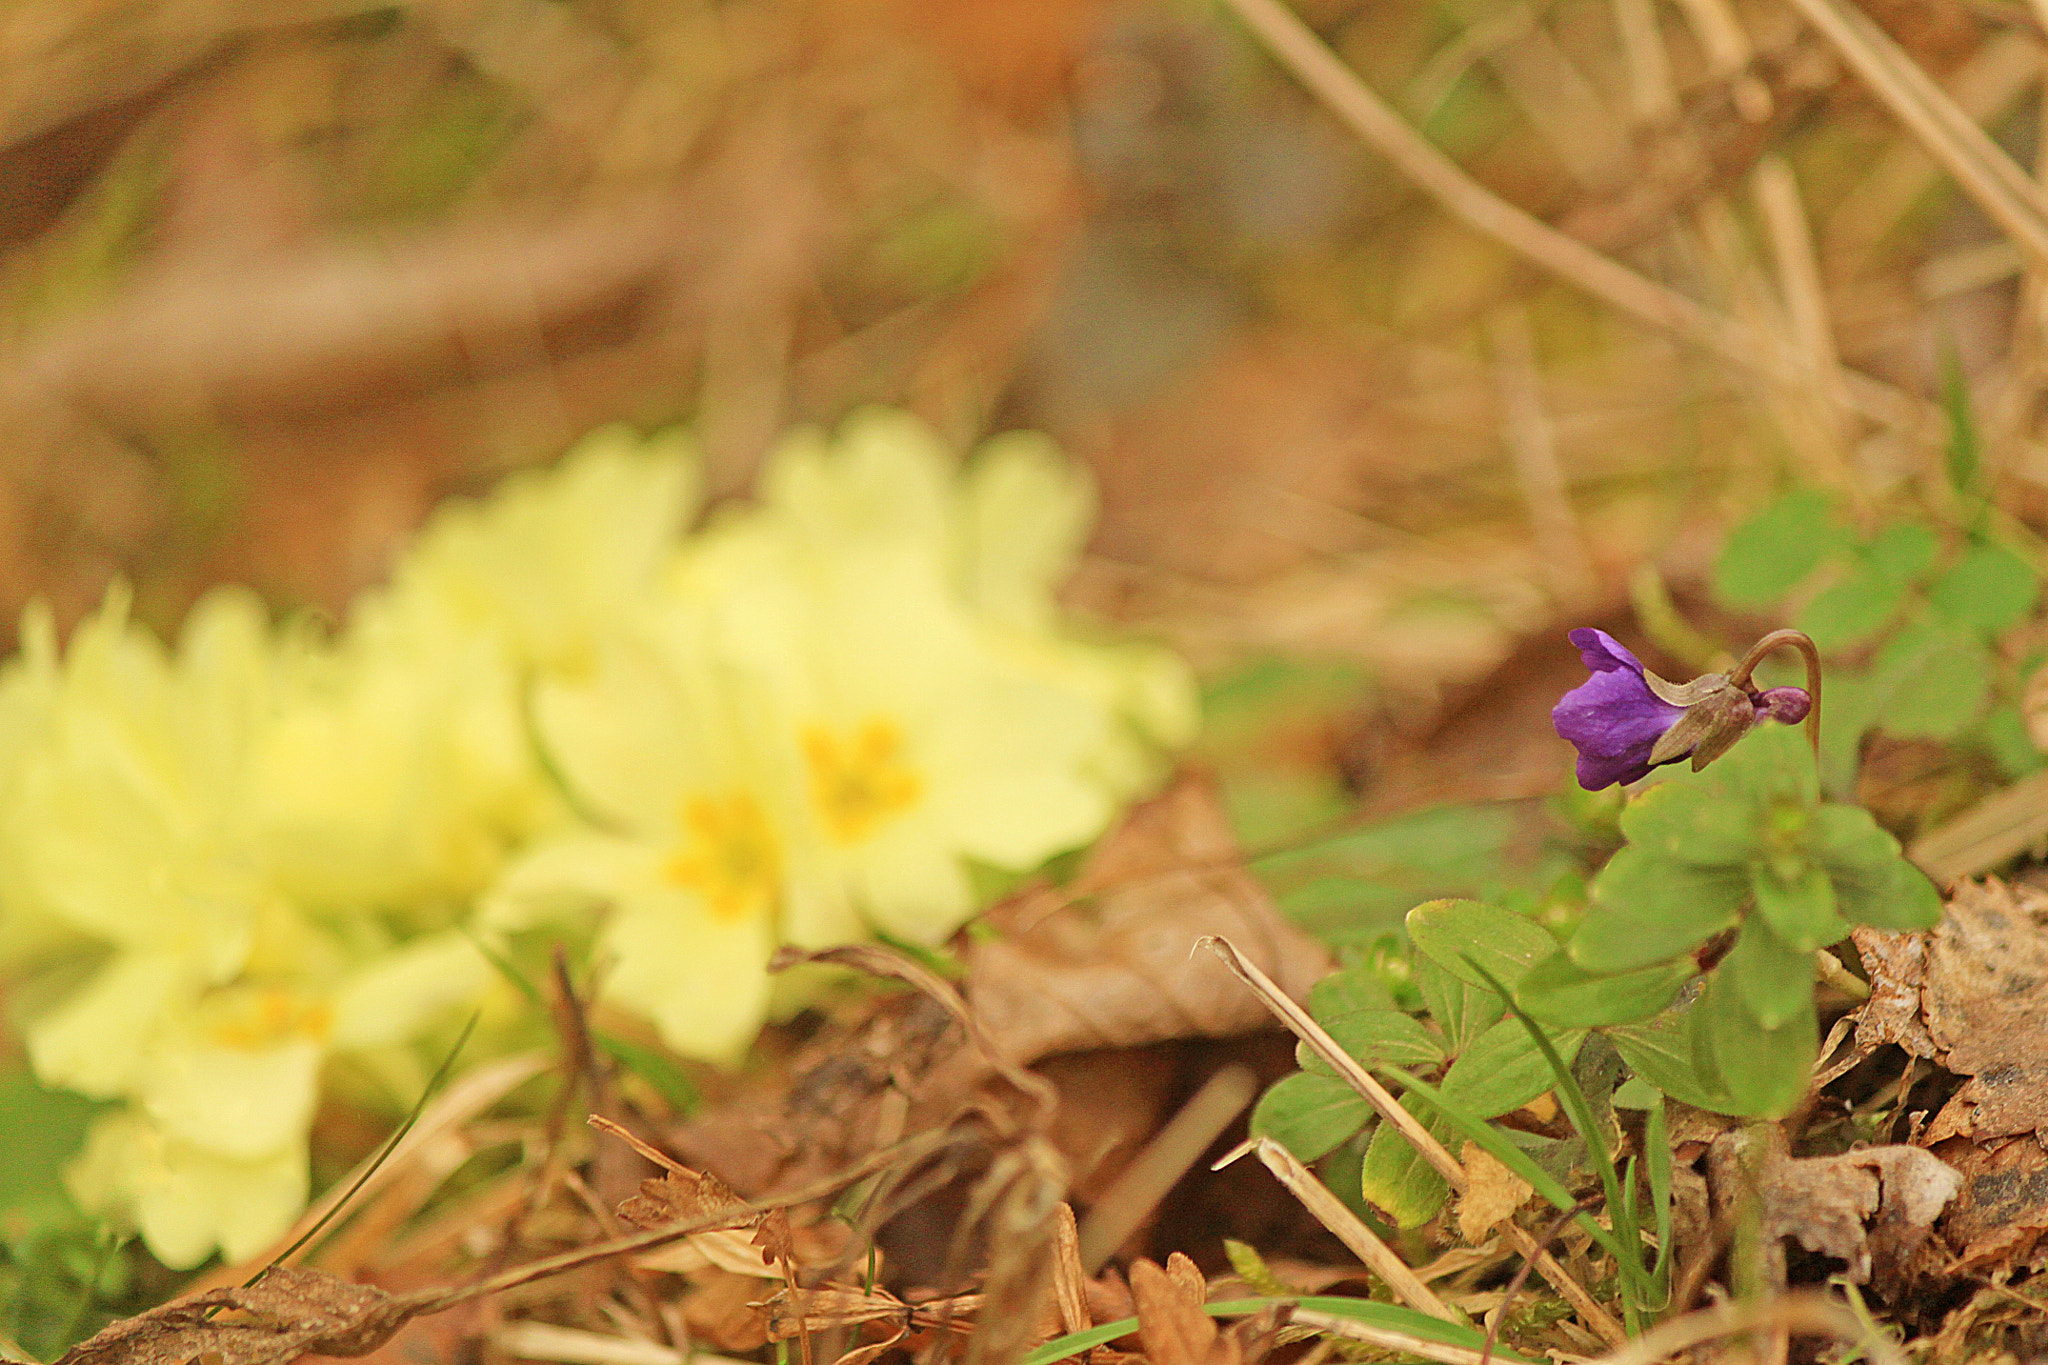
(543, 566)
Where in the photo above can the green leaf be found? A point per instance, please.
(1648, 908)
(1775, 978)
(1768, 555)
(1559, 991)
(1904, 551)
(1504, 1069)
(1800, 909)
(1375, 1037)
(1989, 588)
(1309, 1115)
(1852, 611)
(1460, 1009)
(1771, 766)
(1396, 1179)
(2012, 747)
(1692, 823)
(1357, 987)
(1874, 884)
(1764, 1069)
(1932, 681)
(1665, 1052)
(40, 1131)
(1504, 943)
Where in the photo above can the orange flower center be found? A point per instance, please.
(729, 855)
(860, 781)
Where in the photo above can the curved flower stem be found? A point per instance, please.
(1802, 642)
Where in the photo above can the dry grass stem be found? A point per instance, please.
(1532, 441)
(1347, 1227)
(1652, 90)
(1138, 1189)
(1312, 62)
(1806, 307)
(1980, 166)
(2001, 826)
(1354, 1330)
(1435, 1153)
(573, 1346)
(1804, 1314)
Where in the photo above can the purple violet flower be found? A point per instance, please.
(1625, 720)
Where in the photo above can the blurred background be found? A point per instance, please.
(278, 274)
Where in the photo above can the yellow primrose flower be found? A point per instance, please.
(664, 745)
(543, 565)
(398, 777)
(1004, 533)
(187, 1200)
(129, 826)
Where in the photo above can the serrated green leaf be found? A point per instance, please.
(1774, 978)
(1692, 823)
(1988, 588)
(1309, 1115)
(1799, 909)
(1932, 680)
(1854, 610)
(1765, 1070)
(1502, 942)
(1665, 1052)
(1648, 908)
(1375, 1037)
(1503, 1069)
(1559, 991)
(1768, 555)
(1397, 1180)
(1874, 884)
(1463, 1011)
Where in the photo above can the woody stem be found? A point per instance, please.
(1802, 642)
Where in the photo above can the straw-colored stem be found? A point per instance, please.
(1802, 642)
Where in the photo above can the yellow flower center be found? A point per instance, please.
(264, 1017)
(860, 781)
(729, 855)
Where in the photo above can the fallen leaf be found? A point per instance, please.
(288, 1313)
(1492, 1195)
(1985, 1010)
(1171, 1322)
(1872, 1208)
(1106, 962)
(2001, 1211)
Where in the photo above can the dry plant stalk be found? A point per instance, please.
(1358, 1078)
(1346, 1226)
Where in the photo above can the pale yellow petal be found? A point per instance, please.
(702, 978)
(240, 1103)
(93, 1041)
(395, 996)
(572, 876)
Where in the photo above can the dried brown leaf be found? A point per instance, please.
(290, 1312)
(1171, 1322)
(1985, 1011)
(1107, 963)
(1872, 1208)
(1492, 1195)
(2001, 1210)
